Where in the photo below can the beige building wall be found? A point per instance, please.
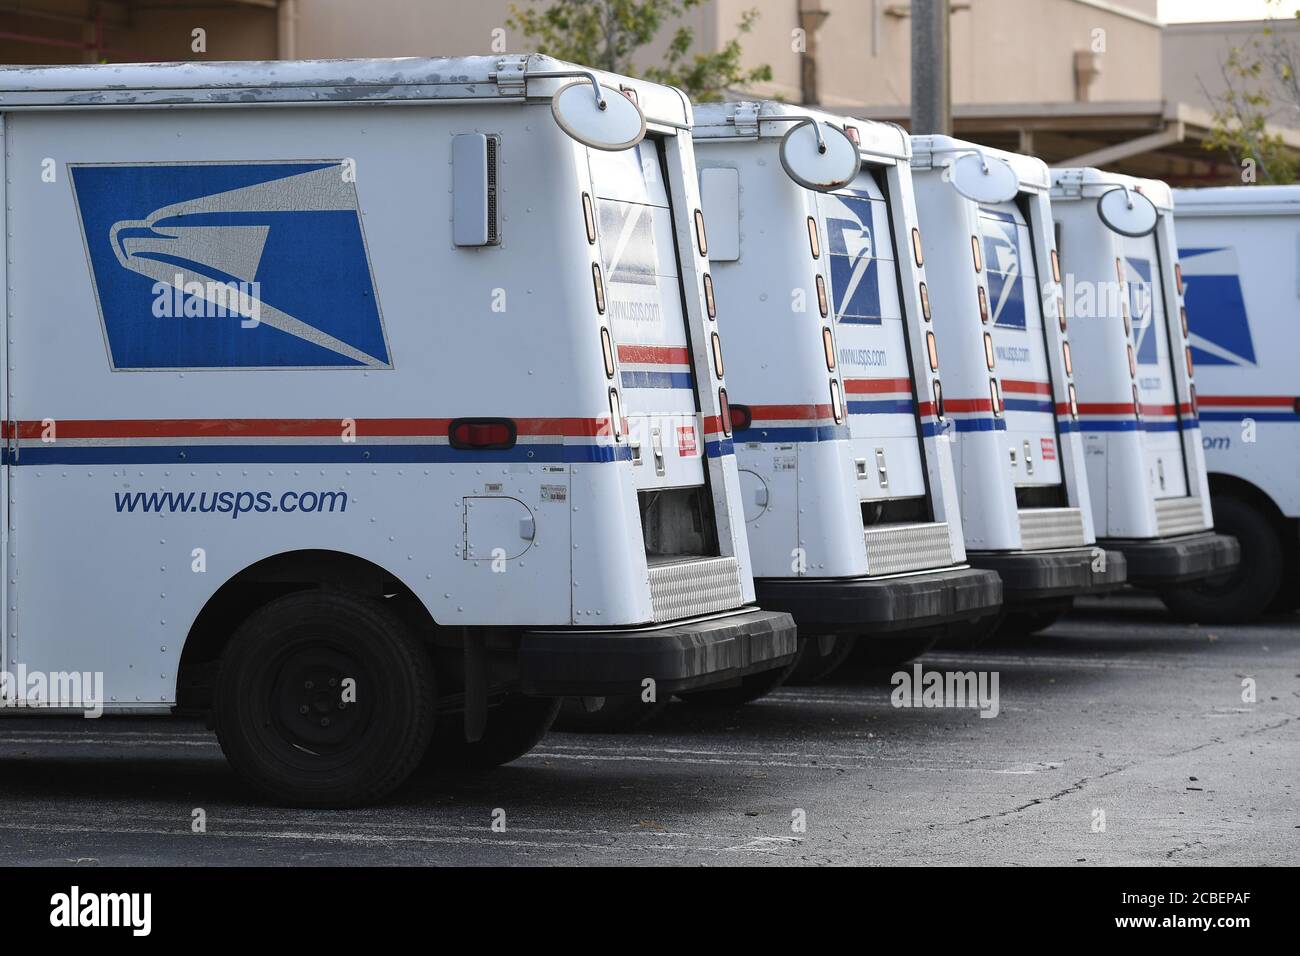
(1194, 53)
(1003, 51)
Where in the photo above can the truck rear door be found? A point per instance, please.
(1020, 346)
(644, 303)
(872, 342)
(1162, 443)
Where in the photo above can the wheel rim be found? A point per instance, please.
(302, 712)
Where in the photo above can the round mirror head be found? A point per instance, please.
(984, 179)
(1127, 212)
(618, 125)
(830, 163)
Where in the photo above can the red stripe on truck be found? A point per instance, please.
(877, 386)
(654, 354)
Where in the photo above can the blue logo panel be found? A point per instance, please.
(1216, 308)
(1002, 269)
(230, 265)
(1141, 306)
(855, 270)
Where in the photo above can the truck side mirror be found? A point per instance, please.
(819, 156)
(1127, 212)
(983, 179)
(597, 116)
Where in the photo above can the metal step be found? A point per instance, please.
(1043, 528)
(694, 586)
(1179, 516)
(893, 548)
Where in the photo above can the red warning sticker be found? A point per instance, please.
(1049, 449)
(686, 447)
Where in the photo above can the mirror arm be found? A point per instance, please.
(801, 120)
(563, 74)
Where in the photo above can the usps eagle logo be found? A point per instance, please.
(1006, 282)
(1141, 305)
(1219, 330)
(230, 265)
(855, 269)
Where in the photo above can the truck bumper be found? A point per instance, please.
(687, 655)
(878, 605)
(1029, 577)
(1155, 562)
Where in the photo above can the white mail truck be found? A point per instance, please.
(995, 290)
(837, 403)
(1136, 395)
(369, 406)
(1240, 256)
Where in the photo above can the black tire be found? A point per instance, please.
(819, 657)
(887, 650)
(1244, 593)
(750, 688)
(607, 715)
(281, 722)
(514, 727)
(1023, 623)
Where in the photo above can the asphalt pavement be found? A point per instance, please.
(1120, 738)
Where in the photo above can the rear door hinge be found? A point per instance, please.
(746, 119)
(511, 75)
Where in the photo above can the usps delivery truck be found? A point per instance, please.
(837, 404)
(995, 291)
(1136, 398)
(1239, 249)
(370, 406)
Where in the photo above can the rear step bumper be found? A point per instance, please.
(1032, 576)
(1156, 562)
(879, 605)
(687, 656)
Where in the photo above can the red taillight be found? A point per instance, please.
(1189, 362)
(717, 355)
(814, 243)
(828, 346)
(1065, 353)
(989, 357)
(917, 254)
(852, 133)
(700, 239)
(932, 348)
(976, 254)
(482, 433)
(724, 408)
(741, 417)
(1056, 266)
